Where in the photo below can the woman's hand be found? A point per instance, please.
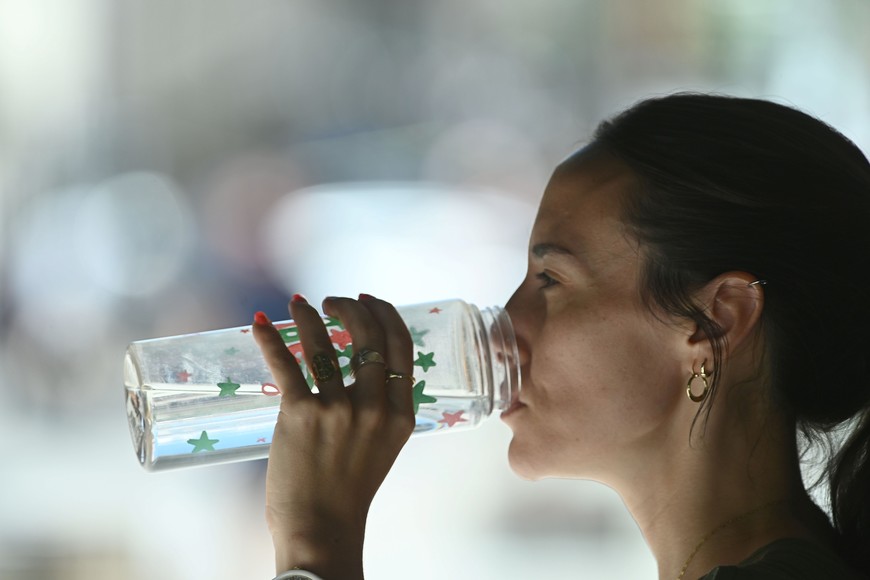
(332, 450)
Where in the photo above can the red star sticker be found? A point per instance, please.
(182, 376)
(451, 419)
(340, 338)
(246, 330)
(435, 310)
(270, 389)
(261, 440)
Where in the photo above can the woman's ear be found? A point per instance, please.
(734, 301)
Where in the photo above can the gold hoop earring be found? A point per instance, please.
(703, 376)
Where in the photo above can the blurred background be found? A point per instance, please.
(170, 167)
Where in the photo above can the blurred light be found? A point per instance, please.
(47, 49)
(75, 251)
(838, 90)
(405, 242)
(56, 304)
(456, 84)
(488, 153)
(362, 66)
(133, 233)
(239, 193)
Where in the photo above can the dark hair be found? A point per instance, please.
(732, 184)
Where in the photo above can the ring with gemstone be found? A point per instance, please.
(323, 367)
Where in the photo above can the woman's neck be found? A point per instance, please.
(719, 499)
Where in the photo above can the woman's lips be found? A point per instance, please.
(516, 405)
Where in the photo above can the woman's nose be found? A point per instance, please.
(518, 316)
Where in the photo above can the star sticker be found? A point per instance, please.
(435, 310)
(270, 389)
(340, 338)
(289, 333)
(203, 443)
(229, 388)
(451, 419)
(246, 330)
(419, 397)
(261, 440)
(231, 351)
(417, 335)
(182, 376)
(347, 353)
(425, 360)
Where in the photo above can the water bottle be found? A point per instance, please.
(209, 398)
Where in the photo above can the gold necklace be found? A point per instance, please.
(724, 525)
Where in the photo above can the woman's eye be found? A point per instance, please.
(546, 280)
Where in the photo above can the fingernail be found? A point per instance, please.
(366, 297)
(299, 299)
(261, 319)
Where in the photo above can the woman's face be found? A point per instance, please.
(602, 377)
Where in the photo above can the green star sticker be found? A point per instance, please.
(229, 388)
(290, 334)
(203, 443)
(419, 397)
(417, 335)
(425, 360)
(231, 351)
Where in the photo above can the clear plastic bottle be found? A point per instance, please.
(208, 397)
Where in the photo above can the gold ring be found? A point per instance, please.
(391, 374)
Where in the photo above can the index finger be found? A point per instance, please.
(281, 362)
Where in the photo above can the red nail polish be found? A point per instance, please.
(261, 319)
(366, 297)
(299, 298)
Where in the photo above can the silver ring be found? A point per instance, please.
(364, 357)
(391, 374)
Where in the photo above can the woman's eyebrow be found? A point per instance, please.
(541, 250)
(576, 256)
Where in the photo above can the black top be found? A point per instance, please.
(788, 559)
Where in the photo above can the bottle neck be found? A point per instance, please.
(501, 356)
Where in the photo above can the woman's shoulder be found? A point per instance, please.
(787, 559)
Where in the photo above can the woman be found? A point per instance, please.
(695, 311)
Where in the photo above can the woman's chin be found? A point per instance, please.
(522, 463)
